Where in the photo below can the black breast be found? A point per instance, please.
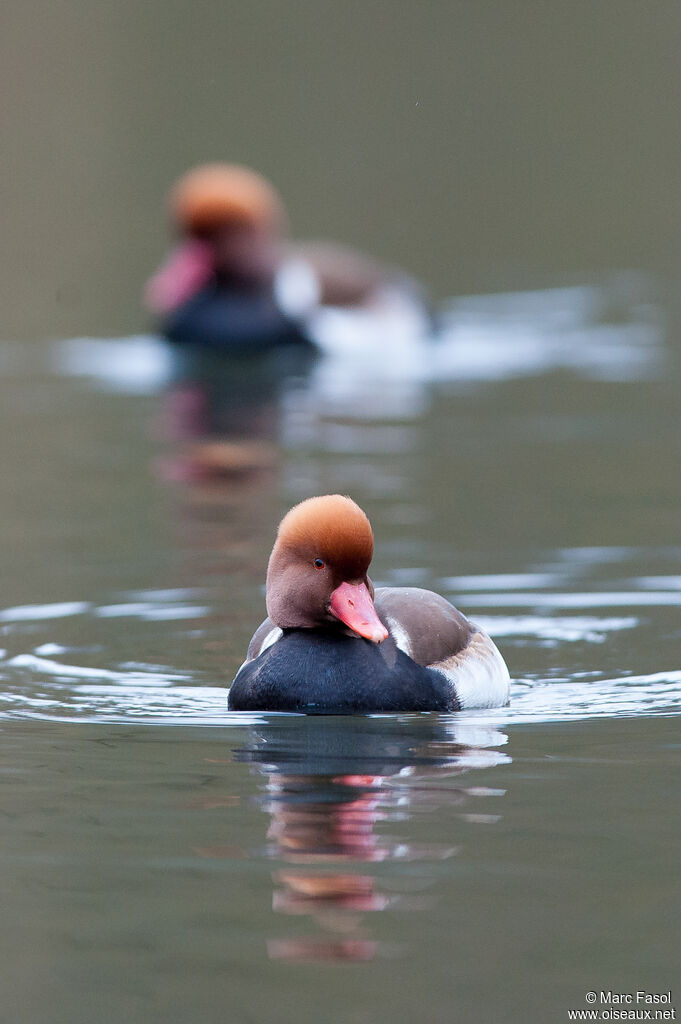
(326, 673)
(233, 320)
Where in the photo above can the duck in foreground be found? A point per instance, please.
(331, 644)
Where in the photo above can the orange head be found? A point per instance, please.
(317, 573)
(214, 196)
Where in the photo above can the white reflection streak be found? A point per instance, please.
(144, 610)
(141, 364)
(30, 612)
(503, 581)
(45, 666)
(569, 628)
(612, 599)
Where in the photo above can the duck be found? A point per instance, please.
(235, 283)
(333, 644)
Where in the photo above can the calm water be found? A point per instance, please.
(168, 861)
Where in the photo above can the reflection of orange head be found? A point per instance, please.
(214, 195)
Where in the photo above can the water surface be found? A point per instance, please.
(166, 860)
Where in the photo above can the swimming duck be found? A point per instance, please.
(236, 284)
(331, 644)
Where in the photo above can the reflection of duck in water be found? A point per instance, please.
(331, 645)
(222, 413)
(235, 285)
(329, 783)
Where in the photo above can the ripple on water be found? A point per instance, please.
(38, 612)
(569, 629)
(50, 681)
(607, 330)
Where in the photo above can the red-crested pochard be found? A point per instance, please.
(333, 645)
(234, 282)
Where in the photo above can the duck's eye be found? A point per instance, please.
(318, 563)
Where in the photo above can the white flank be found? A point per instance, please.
(478, 674)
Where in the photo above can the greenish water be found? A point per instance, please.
(153, 875)
(166, 861)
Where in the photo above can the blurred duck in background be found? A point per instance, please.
(234, 282)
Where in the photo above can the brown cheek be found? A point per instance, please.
(313, 593)
(323, 589)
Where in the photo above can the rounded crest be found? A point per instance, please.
(332, 527)
(215, 194)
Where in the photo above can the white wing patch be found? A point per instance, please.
(270, 639)
(399, 634)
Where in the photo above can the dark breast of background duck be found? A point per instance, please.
(232, 319)
(324, 672)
